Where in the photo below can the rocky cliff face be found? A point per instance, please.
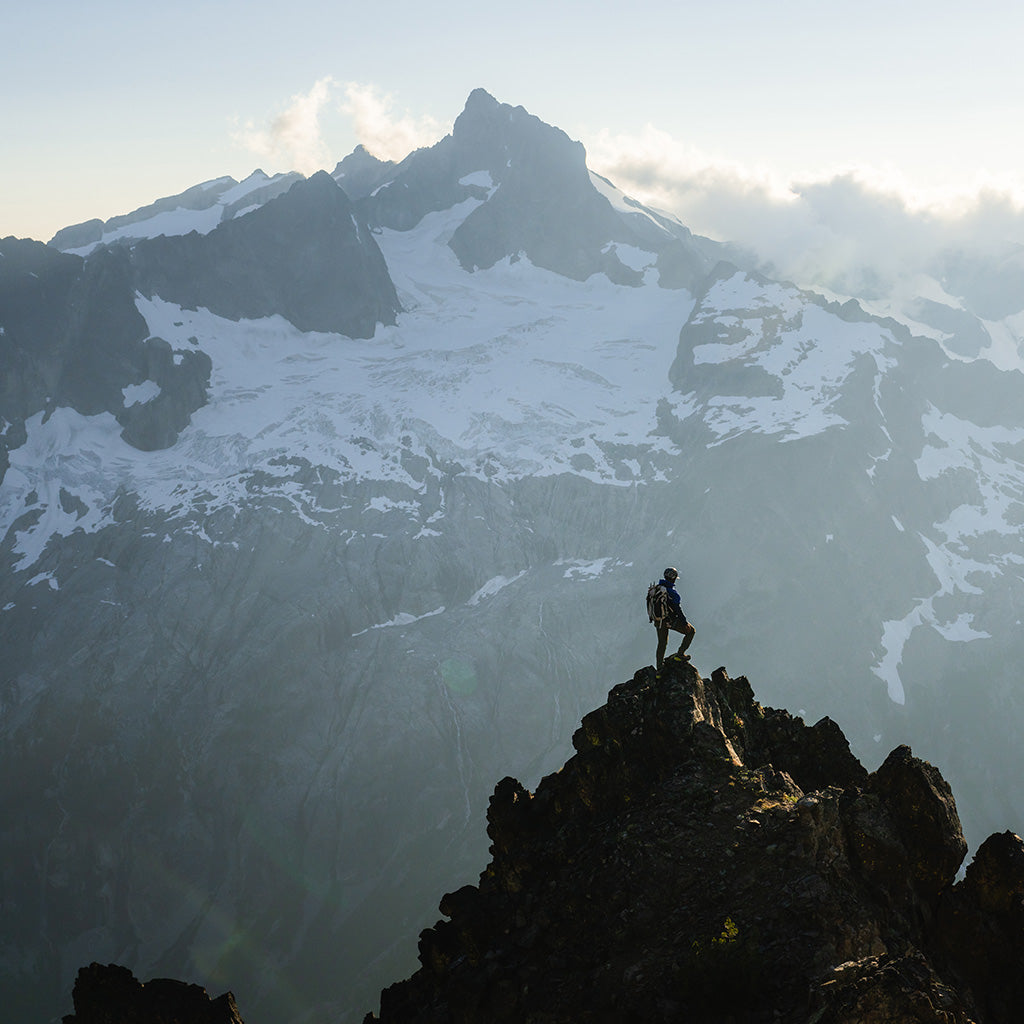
(72, 337)
(704, 858)
(305, 255)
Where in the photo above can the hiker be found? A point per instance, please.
(667, 614)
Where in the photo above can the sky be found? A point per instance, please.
(746, 118)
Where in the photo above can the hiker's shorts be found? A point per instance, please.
(678, 622)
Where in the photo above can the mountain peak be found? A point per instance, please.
(480, 99)
(361, 172)
(504, 129)
(321, 179)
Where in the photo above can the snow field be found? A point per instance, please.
(495, 374)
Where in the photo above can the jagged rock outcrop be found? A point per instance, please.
(112, 995)
(306, 255)
(703, 858)
(982, 924)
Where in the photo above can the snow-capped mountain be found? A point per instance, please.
(200, 209)
(324, 513)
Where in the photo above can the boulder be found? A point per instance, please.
(110, 994)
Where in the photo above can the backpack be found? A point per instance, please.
(658, 607)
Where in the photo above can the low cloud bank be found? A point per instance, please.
(858, 232)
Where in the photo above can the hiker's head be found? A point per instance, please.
(671, 574)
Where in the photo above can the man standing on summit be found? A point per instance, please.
(665, 611)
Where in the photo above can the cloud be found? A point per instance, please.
(855, 230)
(712, 194)
(386, 136)
(294, 138)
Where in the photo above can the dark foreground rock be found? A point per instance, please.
(701, 858)
(112, 995)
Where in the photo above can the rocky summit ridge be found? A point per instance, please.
(704, 858)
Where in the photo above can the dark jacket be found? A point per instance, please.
(673, 596)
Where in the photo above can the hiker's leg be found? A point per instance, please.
(688, 634)
(662, 643)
